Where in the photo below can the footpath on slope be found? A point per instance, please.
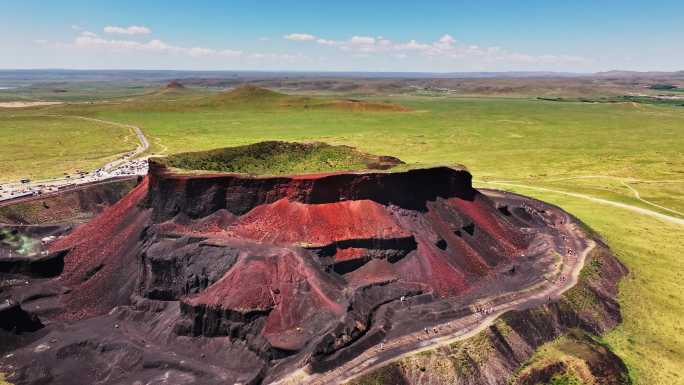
(447, 333)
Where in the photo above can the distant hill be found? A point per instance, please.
(641, 75)
(251, 96)
(172, 90)
(174, 85)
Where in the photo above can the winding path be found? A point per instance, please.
(141, 148)
(68, 182)
(469, 326)
(637, 209)
(626, 182)
(447, 333)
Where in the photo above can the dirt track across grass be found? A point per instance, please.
(636, 209)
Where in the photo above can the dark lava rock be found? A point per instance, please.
(14, 319)
(227, 278)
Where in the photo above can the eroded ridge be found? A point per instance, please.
(227, 278)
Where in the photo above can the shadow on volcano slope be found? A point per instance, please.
(209, 277)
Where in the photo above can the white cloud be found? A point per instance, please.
(131, 30)
(412, 46)
(97, 42)
(40, 41)
(230, 53)
(76, 27)
(155, 46)
(384, 42)
(300, 37)
(445, 52)
(362, 40)
(199, 51)
(283, 56)
(327, 42)
(446, 47)
(447, 39)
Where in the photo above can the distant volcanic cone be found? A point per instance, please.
(174, 85)
(274, 256)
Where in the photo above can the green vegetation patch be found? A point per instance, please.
(390, 374)
(666, 87)
(575, 358)
(279, 158)
(565, 379)
(18, 242)
(622, 99)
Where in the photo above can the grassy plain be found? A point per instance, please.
(36, 145)
(508, 138)
(595, 149)
(74, 91)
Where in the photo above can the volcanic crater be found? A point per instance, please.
(246, 264)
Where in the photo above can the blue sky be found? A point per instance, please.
(350, 35)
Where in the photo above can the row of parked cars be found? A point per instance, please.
(26, 188)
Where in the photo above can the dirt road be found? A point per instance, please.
(128, 164)
(576, 249)
(637, 209)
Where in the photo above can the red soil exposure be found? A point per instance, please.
(349, 253)
(286, 222)
(313, 211)
(101, 252)
(288, 284)
(295, 269)
(356, 230)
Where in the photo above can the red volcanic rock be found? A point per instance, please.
(295, 223)
(290, 270)
(100, 265)
(288, 285)
(454, 234)
(312, 245)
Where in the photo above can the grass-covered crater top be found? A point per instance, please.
(280, 158)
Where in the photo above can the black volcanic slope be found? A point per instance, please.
(199, 278)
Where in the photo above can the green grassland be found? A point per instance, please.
(38, 145)
(276, 158)
(596, 149)
(506, 138)
(75, 91)
(651, 338)
(621, 99)
(490, 135)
